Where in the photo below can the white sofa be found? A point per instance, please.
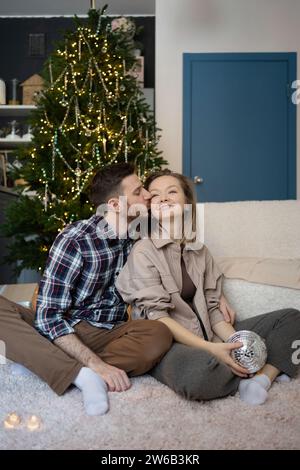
(257, 245)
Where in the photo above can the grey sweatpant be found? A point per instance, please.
(197, 375)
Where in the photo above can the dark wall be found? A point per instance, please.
(14, 46)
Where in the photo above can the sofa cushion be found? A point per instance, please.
(250, 299)
(271, 271)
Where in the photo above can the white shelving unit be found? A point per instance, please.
(20, 110)
(5, 189)
(12, 144)
(16, 110)
(23, 110)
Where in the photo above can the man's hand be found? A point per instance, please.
(222, 351)
(116, 379)
(227, 310)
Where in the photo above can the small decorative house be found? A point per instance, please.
(31, 88)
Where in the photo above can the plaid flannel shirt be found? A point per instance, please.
(79, 280)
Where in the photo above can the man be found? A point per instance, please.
(79, 310)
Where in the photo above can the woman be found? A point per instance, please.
(173, 278)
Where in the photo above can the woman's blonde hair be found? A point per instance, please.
(185, 184)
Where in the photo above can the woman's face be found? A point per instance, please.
(167, 197)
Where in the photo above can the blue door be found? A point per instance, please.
(239, 125)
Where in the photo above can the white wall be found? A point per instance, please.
(214, 26)
(71, 7)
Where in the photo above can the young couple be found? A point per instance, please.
(180, 319)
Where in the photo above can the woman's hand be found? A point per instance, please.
(227, 310)
(222, 351)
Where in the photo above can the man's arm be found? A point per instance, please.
(227, 310)
(55, 299)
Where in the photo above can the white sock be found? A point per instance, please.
(283, 378)
(19, 369)
(94, 391)
(255, 391)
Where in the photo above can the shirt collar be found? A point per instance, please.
(108, 232)
(103, 229)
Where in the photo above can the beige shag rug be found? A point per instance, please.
(148, 416)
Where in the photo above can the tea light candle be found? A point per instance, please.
(12, 421)
(33, 423)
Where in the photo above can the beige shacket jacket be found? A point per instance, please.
(151, 281)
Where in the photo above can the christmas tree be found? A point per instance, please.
(91, 113)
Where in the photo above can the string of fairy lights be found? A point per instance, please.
(99, 116)
(91, 113)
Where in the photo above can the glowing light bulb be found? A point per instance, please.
(12, 421)
(33, 423)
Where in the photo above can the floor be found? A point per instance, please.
(148, 416)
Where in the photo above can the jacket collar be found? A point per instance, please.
(161, 242)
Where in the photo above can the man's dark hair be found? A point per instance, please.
(107, 181)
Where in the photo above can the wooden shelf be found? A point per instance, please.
(5, 189)
(16, 110)
(11, 144)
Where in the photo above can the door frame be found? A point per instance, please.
(291, 62)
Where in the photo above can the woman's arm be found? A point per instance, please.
(183, 335)
(222, 351)
(223, 330)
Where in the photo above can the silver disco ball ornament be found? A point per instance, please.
(253, 354)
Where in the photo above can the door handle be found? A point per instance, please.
(198, 180)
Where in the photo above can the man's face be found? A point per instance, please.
(133, 189)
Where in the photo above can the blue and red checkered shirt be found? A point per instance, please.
(79, 279)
